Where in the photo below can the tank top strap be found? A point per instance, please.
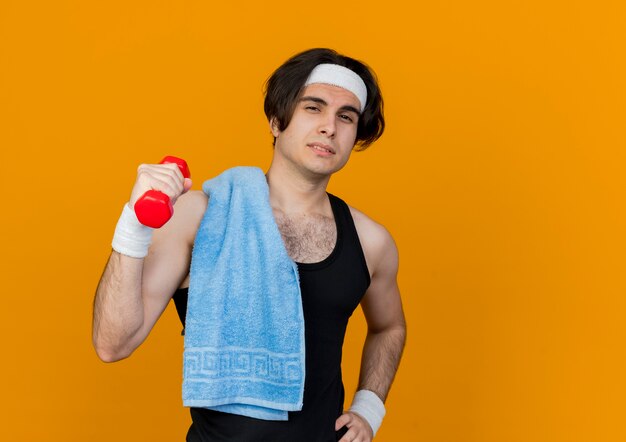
(346, 227)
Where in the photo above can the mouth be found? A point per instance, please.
(322, 148)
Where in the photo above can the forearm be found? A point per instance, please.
(118, 309)
(381, 356)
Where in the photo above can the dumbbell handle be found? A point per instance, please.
(154, 208)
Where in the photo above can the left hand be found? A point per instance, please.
(358, 428)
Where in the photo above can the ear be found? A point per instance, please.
(274, 127)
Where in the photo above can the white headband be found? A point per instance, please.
(336, 75)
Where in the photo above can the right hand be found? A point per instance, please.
(166, 178)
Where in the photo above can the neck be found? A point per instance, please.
(293, 193)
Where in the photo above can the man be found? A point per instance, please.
(320, 106)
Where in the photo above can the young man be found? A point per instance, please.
(320, 106)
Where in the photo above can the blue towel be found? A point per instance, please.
(244, 329)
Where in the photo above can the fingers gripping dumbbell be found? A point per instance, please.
(154, 208)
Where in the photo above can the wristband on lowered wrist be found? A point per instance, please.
(368, 405)
(131, 238)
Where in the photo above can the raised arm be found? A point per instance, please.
(133, 292)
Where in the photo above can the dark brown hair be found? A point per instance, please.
(285, 86)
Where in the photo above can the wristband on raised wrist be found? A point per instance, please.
(131, 238)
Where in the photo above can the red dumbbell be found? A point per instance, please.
(154, 208)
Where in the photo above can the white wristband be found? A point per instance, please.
(131, 238)
(368, 405)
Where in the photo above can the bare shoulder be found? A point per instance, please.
(170, 252)
(188, 211)
(193, 202)
(377, 243)
(381, 304)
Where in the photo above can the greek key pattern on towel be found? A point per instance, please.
(233, 363)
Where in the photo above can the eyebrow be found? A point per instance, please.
(323, 102)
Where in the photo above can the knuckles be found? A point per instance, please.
(170, 183)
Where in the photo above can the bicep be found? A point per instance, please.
(165, 268)
(168, 260)
(382, 305)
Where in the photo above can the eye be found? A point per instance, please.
(314, 108)
(346, 118)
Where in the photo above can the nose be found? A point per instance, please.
(328, 126)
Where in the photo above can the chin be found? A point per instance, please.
(326, 171)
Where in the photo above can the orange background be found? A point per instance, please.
(501, 177)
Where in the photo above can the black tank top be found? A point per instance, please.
(331, 290)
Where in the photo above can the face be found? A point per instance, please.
(322, 130)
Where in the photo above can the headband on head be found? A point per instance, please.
(340, 76)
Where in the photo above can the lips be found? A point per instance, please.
(321, 147)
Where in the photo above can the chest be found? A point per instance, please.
(307, 238)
